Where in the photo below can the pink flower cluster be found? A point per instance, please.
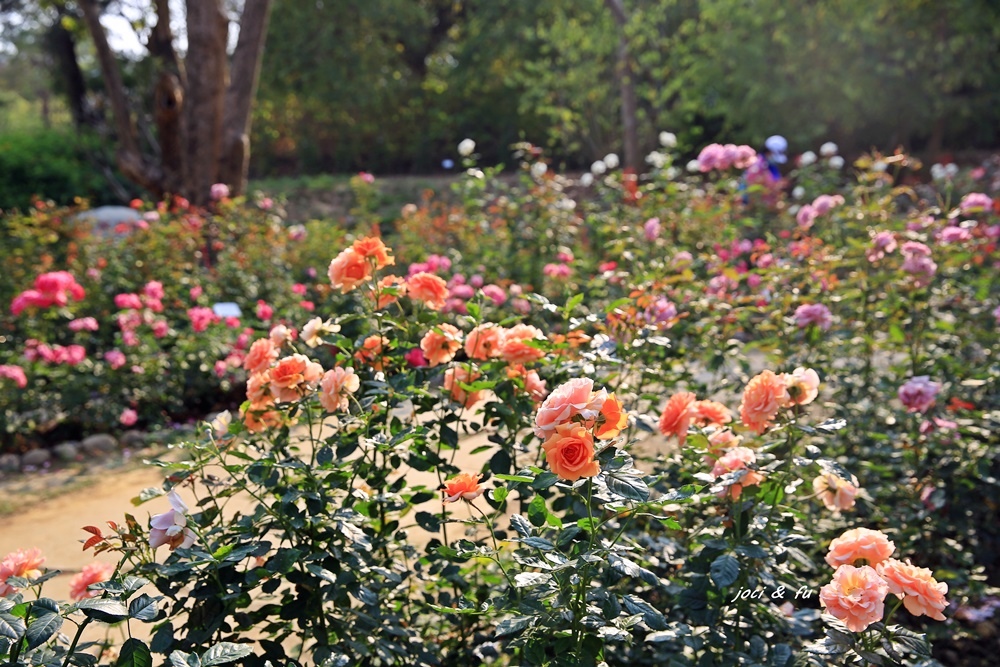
(50, 289)
(918, 263)
(70, 355)
(815, 314)
(15, 373)
(21, 564)
(433, 264)
(976, 202)
(919, 393)
(821, 205)
(723, 157)
(883, 243)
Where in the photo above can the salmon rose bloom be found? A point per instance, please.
(737, 458)
(710, 413)
(293, 377)
(612, 418)
(348, 270)
(464, 486)
(856, 596)
(858, 544)
(763, 397)
(485, 341)
(454, 378)
(677, 415)
(259, 418)
(570, 452)
(515, 348)
(259, 389)
(371, 352)
(430, 289)
(94, 573)
(922, 595)
(371, 247)
(440, 344)
(570, 399)
(262, 354)
(836, 493)
(20, 563)
(390, 288)
(336, 388)
(802, 385)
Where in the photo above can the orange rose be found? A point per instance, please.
(390, 288)
(258, 419)
(570, 452)
(463, 485)
(677, 414)
(20, 563)
(836, 493)
(485, 341)
(454, 378)
(856, 596)
(763, 397)
(440, 344)
(860, 544)
(258, 388)
(430, 289)
(371, 352)
(293, 376)
(922, 595)
(348, 270)
(94, 573)
(710, 413)
(261, 355)
(570, 399)
(612, 418)
(515, 348)
(737, 458)
(371, 247)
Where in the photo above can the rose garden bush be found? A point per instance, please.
(720, 429)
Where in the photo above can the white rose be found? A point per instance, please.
(657, 159)
(807, 158)
(598, 168)
(587, 180)
(951, 170)
(668, 139)
(837, 162)
(938, 172)
(798, 192)
(611, 160)
(694, 166)
(466, 147)
(672, 173)
(880, 166)
(538, 169)
(828, 149)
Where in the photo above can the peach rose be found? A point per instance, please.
(372, 349)
(430, 289)
(336, 388)
(677, 414)
(171, 527)
(836, 493)
(612, 418)
(802, 385)
(371, 247)
(440, 344)
(463, 486)
(568, 400)
(515, 348)
(860, 544)
(856, 596)
(20, 563)
(390, 288)
(260, 417)
(261, 355)
(710, 413)
(456, 376)
(348, 270)
(535, 386)
(258, 388)
(280, 334)
(922, 595)
(763, 397)
(93, 573)
(485, 341)
(293, 377)
(737, 458)
(570, 452)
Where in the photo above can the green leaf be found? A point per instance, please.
(101, 609)
(512, 626)
(182, 659)
(537, 511)
(628, 486)
(572, 303)
(134, 653)
(42, 629)
(499, 494)
(521, 525)
(725, 570)
(224, 652)
(538, 543)
(650, 616)
(544, 480)
(143, 608)
(515, 478)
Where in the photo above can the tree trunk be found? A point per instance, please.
(168, 100)
(242, 90)
(207, 27)
(63, 49)
(630, 125)
(130, 159)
